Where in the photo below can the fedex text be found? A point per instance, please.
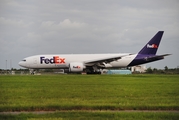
(54, 60)
(152, 46)
(76, 67)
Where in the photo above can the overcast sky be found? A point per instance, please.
(31, 27)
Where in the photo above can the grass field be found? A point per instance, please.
(90, 92)
(94, 116)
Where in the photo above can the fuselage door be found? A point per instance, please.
(35, 60)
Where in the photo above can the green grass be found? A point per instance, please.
(95, 116)
(94, 92)
(90, 92)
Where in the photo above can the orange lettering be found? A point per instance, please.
(57, 59)
(62, 60)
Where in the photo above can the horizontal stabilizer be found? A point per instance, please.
(157, 57)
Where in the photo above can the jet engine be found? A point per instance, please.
(76, 67)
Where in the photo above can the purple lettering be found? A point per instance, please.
(52, 60)
(41, 59)
(47, 61)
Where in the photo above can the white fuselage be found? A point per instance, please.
(63, 60)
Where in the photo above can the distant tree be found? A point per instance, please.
(14, 69)
(166, 68)
(160, 71)
(177, 70)
(155, 70)
(177, 67)
(149, 70)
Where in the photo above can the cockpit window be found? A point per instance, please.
(24, 60)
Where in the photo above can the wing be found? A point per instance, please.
(105, 60)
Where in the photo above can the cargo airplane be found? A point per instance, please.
(93, 63)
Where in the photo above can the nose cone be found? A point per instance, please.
(22, 64)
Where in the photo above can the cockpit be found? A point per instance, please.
(24, 60)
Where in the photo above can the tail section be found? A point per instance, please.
(148, 52)
(152, 46)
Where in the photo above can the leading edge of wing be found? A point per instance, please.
(105, 60)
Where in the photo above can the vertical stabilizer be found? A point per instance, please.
(151, 47)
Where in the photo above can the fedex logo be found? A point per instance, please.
(54, 60)
(76, 67)
(152, 46)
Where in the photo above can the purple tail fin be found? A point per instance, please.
(151, 47)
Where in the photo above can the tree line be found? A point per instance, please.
(166, 70)
(149, 70)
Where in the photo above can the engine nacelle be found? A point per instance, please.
(76, 67)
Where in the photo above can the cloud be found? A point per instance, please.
(36, 27)
(65, 24)
(14, 23)
(68, 24)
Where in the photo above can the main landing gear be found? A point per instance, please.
(32, 71)
(93, 70)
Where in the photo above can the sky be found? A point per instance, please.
(32, 27)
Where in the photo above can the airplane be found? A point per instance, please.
(94, 63)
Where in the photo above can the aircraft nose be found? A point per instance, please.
(22, 64)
